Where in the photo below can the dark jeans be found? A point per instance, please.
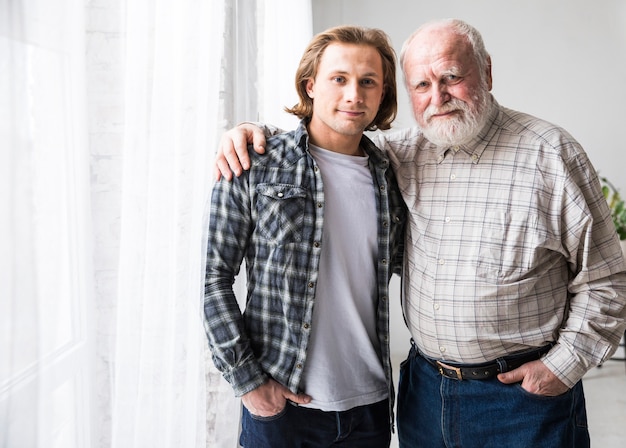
(434, 411)
(298, 427)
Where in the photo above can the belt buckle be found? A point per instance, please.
(457, 370)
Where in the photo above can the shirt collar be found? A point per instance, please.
(375, 154)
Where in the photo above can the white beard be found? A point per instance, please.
(458, 130)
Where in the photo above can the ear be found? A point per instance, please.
(488, 74)
(310, 84)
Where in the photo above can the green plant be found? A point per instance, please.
(617, 206)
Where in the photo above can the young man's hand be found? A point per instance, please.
(270, 398)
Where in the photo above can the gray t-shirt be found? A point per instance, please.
(343, 368)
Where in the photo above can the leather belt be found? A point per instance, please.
(484, 371)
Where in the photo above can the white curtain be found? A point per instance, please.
(110, 112)
(46, 295)
(158, 394)
(282, 43)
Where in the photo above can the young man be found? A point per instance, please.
(319, 222)
(514, 272)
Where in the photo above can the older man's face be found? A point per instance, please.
(448, 94)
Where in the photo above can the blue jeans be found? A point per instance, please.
(298, 427)
(434, 411)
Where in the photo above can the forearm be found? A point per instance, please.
(229, 229)
(594, 327)
(230, 346)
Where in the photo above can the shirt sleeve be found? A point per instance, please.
(268, 129)
(230, 226)
(597, 285)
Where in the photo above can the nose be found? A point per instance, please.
(440, 95)
(353, 92)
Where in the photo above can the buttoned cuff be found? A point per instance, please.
(245, 377)
(566, 365)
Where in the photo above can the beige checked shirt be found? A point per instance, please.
(510, 246)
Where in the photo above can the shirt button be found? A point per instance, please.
(385, 224)
(436, 306)
(382, 188)
(316, 244)
(319, 205)
(442, 349)
(452, 176)
(311, 284)
(299, 366)
(383, 261)
(306, 326)
(280, 194)
(441, 261)
(447, 219)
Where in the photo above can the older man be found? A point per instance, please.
(515, 283)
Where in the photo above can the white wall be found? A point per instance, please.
(561, 60)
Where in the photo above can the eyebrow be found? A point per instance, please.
(345, 72)
(455, 70)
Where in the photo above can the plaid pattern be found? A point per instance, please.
(510, 246)
(272, 217)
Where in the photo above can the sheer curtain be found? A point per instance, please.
(46, 292)
(110, 114)
(158, 395)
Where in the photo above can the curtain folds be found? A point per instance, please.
(281, 44)
(169, 106)
(46, 294)
(110, 115)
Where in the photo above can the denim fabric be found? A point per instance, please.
(298, 427)
(434, 411)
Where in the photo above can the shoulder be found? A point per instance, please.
(399, 144)
(540, 133)
(280, 150)
(530, 126)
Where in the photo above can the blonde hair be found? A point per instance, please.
(349, 35)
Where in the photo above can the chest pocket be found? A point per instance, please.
(511, 245)
(280, 211)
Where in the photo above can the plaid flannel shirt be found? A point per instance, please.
(272, 217)
(510, 245)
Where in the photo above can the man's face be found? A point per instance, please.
(347, 92)
(448, 94)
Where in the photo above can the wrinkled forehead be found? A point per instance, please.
(435, 44)
(438, 51)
